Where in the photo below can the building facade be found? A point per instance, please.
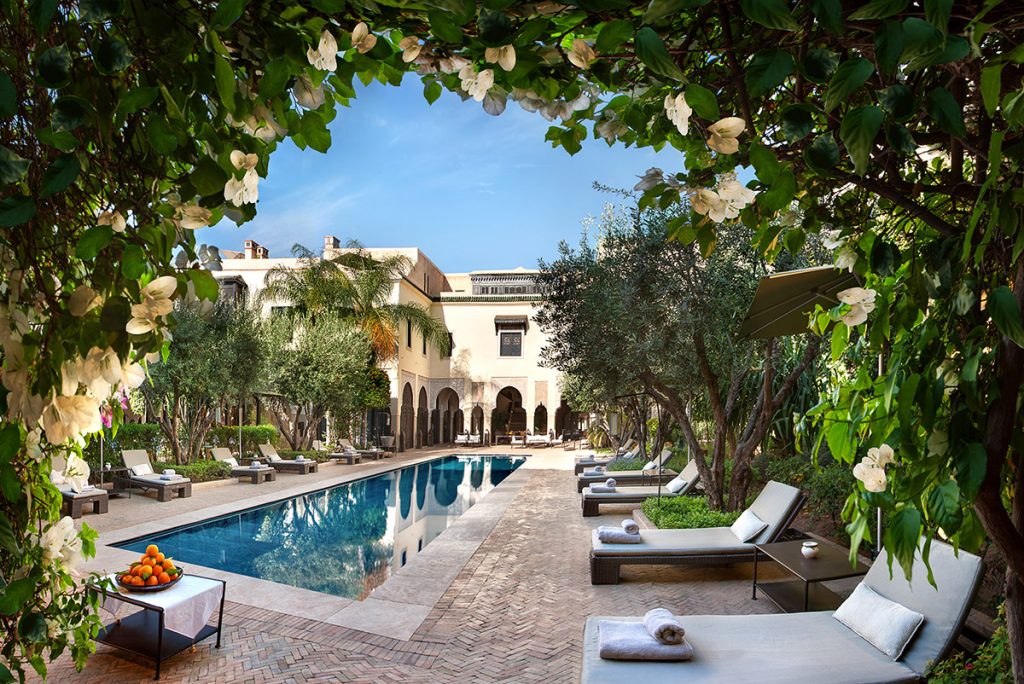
(492, 383)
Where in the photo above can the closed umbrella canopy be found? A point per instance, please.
(783, 301)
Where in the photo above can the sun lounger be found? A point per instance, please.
(75, 502)
(538, 441)
(592, 460)
(647, 476)
(145, 478)
(632, 495)
(777, 505)
(274, 460)
(374, 453)
(782, 648)
(255, 474)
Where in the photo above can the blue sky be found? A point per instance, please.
(471, 190)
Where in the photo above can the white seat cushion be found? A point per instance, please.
(142, 469)
(748, 526)
(884, 624)
(230, 461)
(677, 484)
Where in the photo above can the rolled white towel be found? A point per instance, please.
(630, 526)
(593, 472)
(601, 489)
(616, 535)
(610, 482)
(663, 626)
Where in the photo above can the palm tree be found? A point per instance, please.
(357, 286)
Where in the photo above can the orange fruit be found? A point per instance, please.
(138, 582)
(145, 572)
(142, 559)
(159, 558)
(125, 579)
(152, 550)
(164, 578)
(152, 581)
(136, 569)
(148, 562)
(168, 564)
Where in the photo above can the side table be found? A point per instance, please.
(806, 592)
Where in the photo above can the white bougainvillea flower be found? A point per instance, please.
(882, 455)
(678, 112)
(452, 65)
(156, 302)
(707, 202)
(832, 239)
(651, 178)
(476, 84)
(362, 40)
(411, 48)
(736, 194)
(581, 54)
(114, 219)
(101, 370)
(32, 445)
(83, 300)
(76, 473)
(611, 129)
(132, 375)
(60, 542)
(724, 134)
(68, 418)
(846, 257)
(504, 56)
(861, 302)
(306, 94)
(244, 190)
(871, 469)
(193, 216)
(325, 57)
(240, 160)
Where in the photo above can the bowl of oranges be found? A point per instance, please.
(152, 572)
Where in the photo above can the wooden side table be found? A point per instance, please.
(806, 592)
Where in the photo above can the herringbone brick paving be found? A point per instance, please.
(515, 613)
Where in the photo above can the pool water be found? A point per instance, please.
(345, 540)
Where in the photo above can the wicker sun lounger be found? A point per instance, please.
(812, 647)
(255, 474)
(274, 460)
(631, 495)
(145, 478)
(777, 505)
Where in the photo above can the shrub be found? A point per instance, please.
(686, 512)
(252, 435)
(319, 456)
(129, 436)
(826, 486)
(205, 470)
(627, 464)
(990, 663)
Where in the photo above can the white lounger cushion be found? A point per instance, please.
(231, 461)
(629, 493)
(676, 543)
(142, 469)
(767, 649)
(884, 624)
(748, 526)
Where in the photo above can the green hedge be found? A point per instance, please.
(206, 470)
(252, 435)
(129, 436)
(627, 464)
(686, 512)
(319, 456)
(826, 486)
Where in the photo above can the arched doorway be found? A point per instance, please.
(476, 421)
(447, 419)
(508, 415)
(540, 420)
(422, 418)
(407, 419)
(567, 421)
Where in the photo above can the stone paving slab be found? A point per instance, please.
(514, 611)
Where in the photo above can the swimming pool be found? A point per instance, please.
(345, 540)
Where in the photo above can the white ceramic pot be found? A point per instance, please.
(809, 549)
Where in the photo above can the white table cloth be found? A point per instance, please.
(188, 605)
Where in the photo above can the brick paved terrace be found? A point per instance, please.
(510, 608)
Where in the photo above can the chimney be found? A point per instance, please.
(254, 250)
(331, 245)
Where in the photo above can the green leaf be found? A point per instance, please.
(1002, 307)
(95, 11)
(7, 539)
(315, 131)
(659, 9)
(652, 52)
(829, 14)
(885, 257)
(858, 132)
(945, 111)
(15, 210)
(818, 64)
(136, 99)
(879, 9)
(920, 38)
(771, 13)
(224, 80)
(495, 28)
(991, 87)
(899, 101)
(822, 154)
(839, 442)
(59, 175)
(431, 92)
(889, 42)
(63, 141)
(32, 627)
(612, 35)
(907, 397)
(900, 140)
(766, 166)
(208, 178)
(766, 70)
(133, 262)
(902, 534)
(16, 594)
(936, 13)
(53, 67)
(93, 241)
(115, 314)
(780, 194)
(12, 166)
(797, 121)
(10, 442)
(954, 50)
(703, 101)
(275, 77)
(160, 135)
(111, 56)
(41, 12)
(8, 96)
(227, 13)
(849, 76)
(969, 463)
(444, 28)
(205, 284)
(69, 112)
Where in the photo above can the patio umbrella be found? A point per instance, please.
(784, 300)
